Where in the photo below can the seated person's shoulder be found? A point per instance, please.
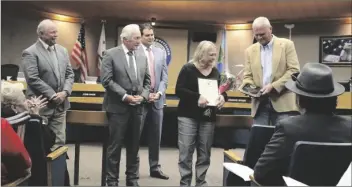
(289, 124)
(345, 119)
(345, 122)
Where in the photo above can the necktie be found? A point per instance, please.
(54, 60)
(151, 68)
(131, 68)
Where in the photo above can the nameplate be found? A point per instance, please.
(239, 100)
(87, 94)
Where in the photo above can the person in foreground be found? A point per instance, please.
(317, 99)
(269, 64)
(196, 120)
(13, 102)
(125, 77)
(15, 160)
(153, 111)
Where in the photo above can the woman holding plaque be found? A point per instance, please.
(197, 88)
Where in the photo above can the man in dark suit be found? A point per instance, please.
(317, 97)
(125, 77)
(48, 72)
(153, 113)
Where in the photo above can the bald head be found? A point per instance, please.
(262, 30)
(47, 31)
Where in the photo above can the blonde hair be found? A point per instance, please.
(202, 49)
(12, 93)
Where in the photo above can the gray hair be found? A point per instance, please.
(128, 31)
(260, 22)
(12, 93)
(43, 25)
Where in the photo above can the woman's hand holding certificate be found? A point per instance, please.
(202, 101)
(220, 102)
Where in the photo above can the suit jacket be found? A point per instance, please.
(116, 79)
(284, 64)
(42, 78)
(274, 161)
(161, 74)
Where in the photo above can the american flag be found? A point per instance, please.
(79, 54)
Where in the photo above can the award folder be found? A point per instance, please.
(209, 89)
(250, 90)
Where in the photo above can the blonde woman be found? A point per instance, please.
(196, 120)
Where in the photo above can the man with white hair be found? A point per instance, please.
(48, 72)
(269, 64)
(125, 77)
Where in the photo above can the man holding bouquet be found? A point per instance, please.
(269, 64)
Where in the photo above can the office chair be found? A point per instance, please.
(9, 70)
(320, 163)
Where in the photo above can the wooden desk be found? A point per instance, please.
(93, 94)
(92, 118)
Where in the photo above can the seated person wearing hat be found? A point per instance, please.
(317, 99)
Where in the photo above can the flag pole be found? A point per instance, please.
(225, 50)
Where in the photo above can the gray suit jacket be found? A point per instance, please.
(41, 77)
(161, 73)
(116, 79)
(275, 160)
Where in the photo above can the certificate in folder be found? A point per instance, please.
(209, 89)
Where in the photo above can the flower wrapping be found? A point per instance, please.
(227, 82)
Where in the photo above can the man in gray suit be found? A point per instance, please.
(153, 113)
(48, 72)
(125, 77)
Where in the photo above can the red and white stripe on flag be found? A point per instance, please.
(79, 54)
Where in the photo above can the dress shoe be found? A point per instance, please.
(159, 174)
(132, 183)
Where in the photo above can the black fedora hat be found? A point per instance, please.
(315, 80)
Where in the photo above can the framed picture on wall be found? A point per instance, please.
(335, 50)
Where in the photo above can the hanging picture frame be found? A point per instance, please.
(335, 50)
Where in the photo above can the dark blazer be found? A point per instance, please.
(275, 160)
(41, 77)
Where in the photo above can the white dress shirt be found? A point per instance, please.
(128, 64)
(266, 54)
(128, 58)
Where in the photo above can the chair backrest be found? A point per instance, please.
(19, 122)
(57, 166)
(35, 145)
(260, 135)
(9, 70)
(319, 163)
